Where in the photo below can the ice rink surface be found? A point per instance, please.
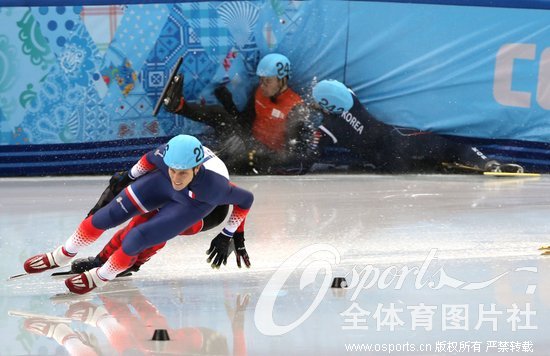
(435, 265)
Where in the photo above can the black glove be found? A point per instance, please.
(219, 250)
(117, 183)
(225, 97)
(240, 250)
(103, 200)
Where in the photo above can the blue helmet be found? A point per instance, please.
(183, 152)
(274, 65)
(333, 96)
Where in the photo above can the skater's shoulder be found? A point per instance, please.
(214, 165)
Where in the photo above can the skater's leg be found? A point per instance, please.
(468, 156)
(172, 219)
(116, 241)
(85, 264)
(215, 218)
(212, 115)
(426, 152)
(135, 199)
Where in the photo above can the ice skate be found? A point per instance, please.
(82, 265)
(173, 85)
(40, 263)
(496, 167)
(85, 282)
(57, 330)
(86, 312)
(61, 332)
(174, 101)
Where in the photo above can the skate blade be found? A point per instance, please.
(64, 273)
(26, 315)
(173, 73)
(510, 174)
(459, 166)
(18, 276)
(544, 247)
(70, 297)
(23, 275)
(546, 253)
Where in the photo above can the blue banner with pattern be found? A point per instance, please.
(91, 72)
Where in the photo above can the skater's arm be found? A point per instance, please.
(211, 115)
(225, 98)
(300, 131)
(247, 116)
(219, 246)
(120, 180)
(142, 167)
(242, 200)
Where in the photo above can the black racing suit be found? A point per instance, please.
(388, 149)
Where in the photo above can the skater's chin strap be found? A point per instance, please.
(195, 174)
(207, 158)
(284, 87)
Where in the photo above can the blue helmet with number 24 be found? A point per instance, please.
(332, 96)
(274, 65)
(183, 152)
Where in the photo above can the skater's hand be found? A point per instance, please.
(103, 200)
(119, 181)
(225, 97)
(236, 312)
(240, 250)
(219, 250)
(223, 94)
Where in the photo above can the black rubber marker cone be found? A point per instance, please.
(339, 282)
(161, 335)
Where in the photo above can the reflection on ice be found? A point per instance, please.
(476, 229)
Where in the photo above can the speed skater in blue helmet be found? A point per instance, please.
(183, 152)
(333, 96)
(274, 65)
(183, 155)
(274, 71)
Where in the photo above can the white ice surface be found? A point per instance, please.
(480, 227)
